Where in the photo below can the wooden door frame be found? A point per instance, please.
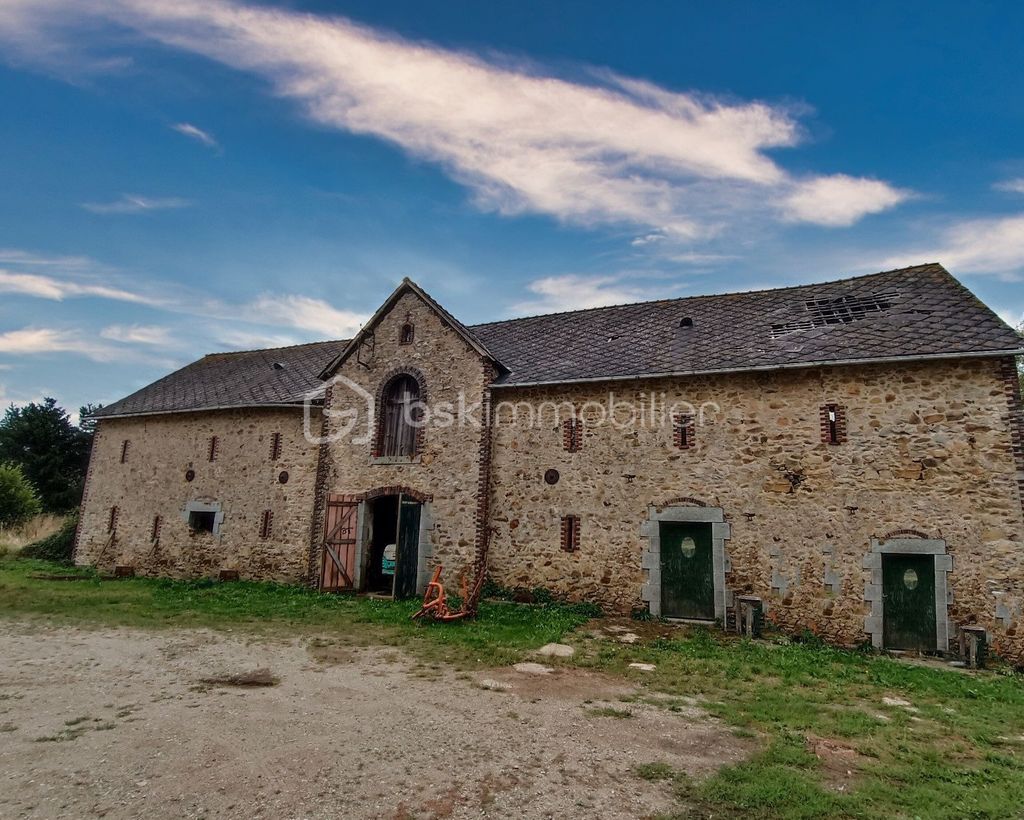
(651, 557)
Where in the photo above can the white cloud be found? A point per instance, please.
(139, 334)
(1012, 318)
(49, 287)
(575, 292)
(33, 341)
(983, 246)
(839, 200)
(194, 132)
(252, 340)
(612, 150)
(305, 313)
(1011, 186)
(135, 204)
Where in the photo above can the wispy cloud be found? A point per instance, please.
(37, 341)
(196, 133)
(305, 313)
(251, 340)
(992, 246)
(575, 292)
(49, 287)
(608, 150)
(135, 204)
(139, 334)
(1011, 186)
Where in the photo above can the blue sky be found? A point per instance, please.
(204, 175)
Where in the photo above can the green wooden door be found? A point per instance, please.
(687, 570)
(408, 554)
(908, 596)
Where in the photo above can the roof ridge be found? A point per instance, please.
(271, 349)
(576, 311)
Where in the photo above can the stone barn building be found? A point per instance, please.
(848, 452)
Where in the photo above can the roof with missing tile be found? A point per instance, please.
(913, 313)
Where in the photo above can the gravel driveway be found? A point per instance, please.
(118, 723)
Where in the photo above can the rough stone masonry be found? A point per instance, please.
(814, 430)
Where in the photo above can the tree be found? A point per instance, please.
(1020, 359)
(51, 451)
(18, 499)
(85, 421)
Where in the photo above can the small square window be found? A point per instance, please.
(202, 520)
(570, 533)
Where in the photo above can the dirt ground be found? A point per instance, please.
(118, 723)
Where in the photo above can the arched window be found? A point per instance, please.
(399, 417)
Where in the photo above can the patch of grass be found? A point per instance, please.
(501, 634)
(655, 772)
(955, 757)
(609, 711)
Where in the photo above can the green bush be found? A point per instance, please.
(18, 499)
(57, 547)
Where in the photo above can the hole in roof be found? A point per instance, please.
(686, 321)
(278, 366)
(841, 311)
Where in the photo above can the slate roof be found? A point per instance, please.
(275, 376)
(910, 313)
(906, 314)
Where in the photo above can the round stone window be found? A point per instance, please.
(688, 547)
(910, 579)
(282, 478)
(551, 476)
(190, 475)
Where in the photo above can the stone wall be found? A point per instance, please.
(453, 378)
(243, 480)
(927, 448)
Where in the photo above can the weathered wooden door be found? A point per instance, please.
(337, 568)
(408, 553)
(908, 601)
(687, 570)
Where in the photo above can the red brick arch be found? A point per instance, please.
(906, 534)
(397, 489)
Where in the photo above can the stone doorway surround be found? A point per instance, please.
(691, 511)
(425, 546)
(873, 589)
